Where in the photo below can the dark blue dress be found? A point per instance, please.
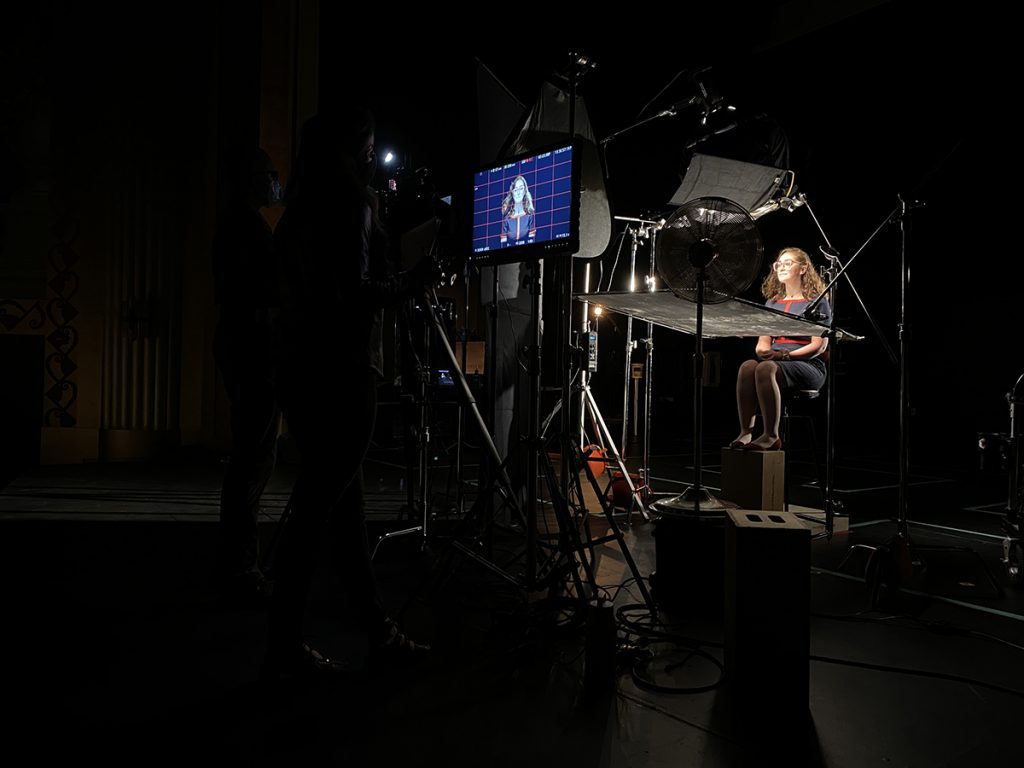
(800, 374)
(518, 228)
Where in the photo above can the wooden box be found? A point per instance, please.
(767, 628)
(754, 479)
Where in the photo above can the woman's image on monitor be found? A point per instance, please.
(517, 209)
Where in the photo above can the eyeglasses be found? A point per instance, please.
(788, 263)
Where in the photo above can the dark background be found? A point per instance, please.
(875, 101)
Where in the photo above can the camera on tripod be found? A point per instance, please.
(407, 199)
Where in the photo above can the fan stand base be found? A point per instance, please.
(686, 503)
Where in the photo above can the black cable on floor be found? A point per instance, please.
(642, 678)
(917, 673)
(939, 627)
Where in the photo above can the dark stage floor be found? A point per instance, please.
(117, 648)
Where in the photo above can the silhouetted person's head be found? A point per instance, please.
(336, 155)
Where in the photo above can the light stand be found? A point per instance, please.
(832, 274)
(423, 430)
(570, 453)
(645, 230)
(648, 229)
(563, 359)
(635, 235)
(570, 551)
(533, 452)
(461, 429)
(589, 407)
(651, 280)
(1013, 549)
(902, 528)
(832, 505)
(420, 500)
(499, 477)
(836, 270)
(492, 386)
(893, 560)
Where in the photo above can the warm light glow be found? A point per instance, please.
(597, 311)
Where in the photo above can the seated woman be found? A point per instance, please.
(517, 208)
(781, 362)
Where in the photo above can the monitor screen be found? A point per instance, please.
(527, 206)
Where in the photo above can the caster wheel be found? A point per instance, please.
(1014, 561)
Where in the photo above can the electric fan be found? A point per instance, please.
(709, 250)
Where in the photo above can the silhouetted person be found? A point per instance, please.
(244, 289)
(335, 283)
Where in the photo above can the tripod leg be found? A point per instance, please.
(267, 559)
(617, 534)
(570, 544)
(615, 453)
(500, 481)
(467, 394)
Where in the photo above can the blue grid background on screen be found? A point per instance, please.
(549, 179)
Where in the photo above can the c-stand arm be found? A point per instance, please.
(832, 255)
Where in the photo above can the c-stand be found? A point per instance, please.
(645, 230)
(572, 462)
(499, 478)
(581, 462)
(480, 520)
(1013, 549)
(418, 364)
(570, 544)
(892, 562)
(831, 274)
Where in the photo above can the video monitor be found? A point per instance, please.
(527, 206)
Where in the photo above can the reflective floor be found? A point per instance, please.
(118, 646)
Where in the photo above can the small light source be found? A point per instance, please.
(388, 157)
(597, 311)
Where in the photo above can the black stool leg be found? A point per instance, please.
(817, 462)
(785, 457)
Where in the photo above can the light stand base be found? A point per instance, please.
(687, 502)
(394, 535)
